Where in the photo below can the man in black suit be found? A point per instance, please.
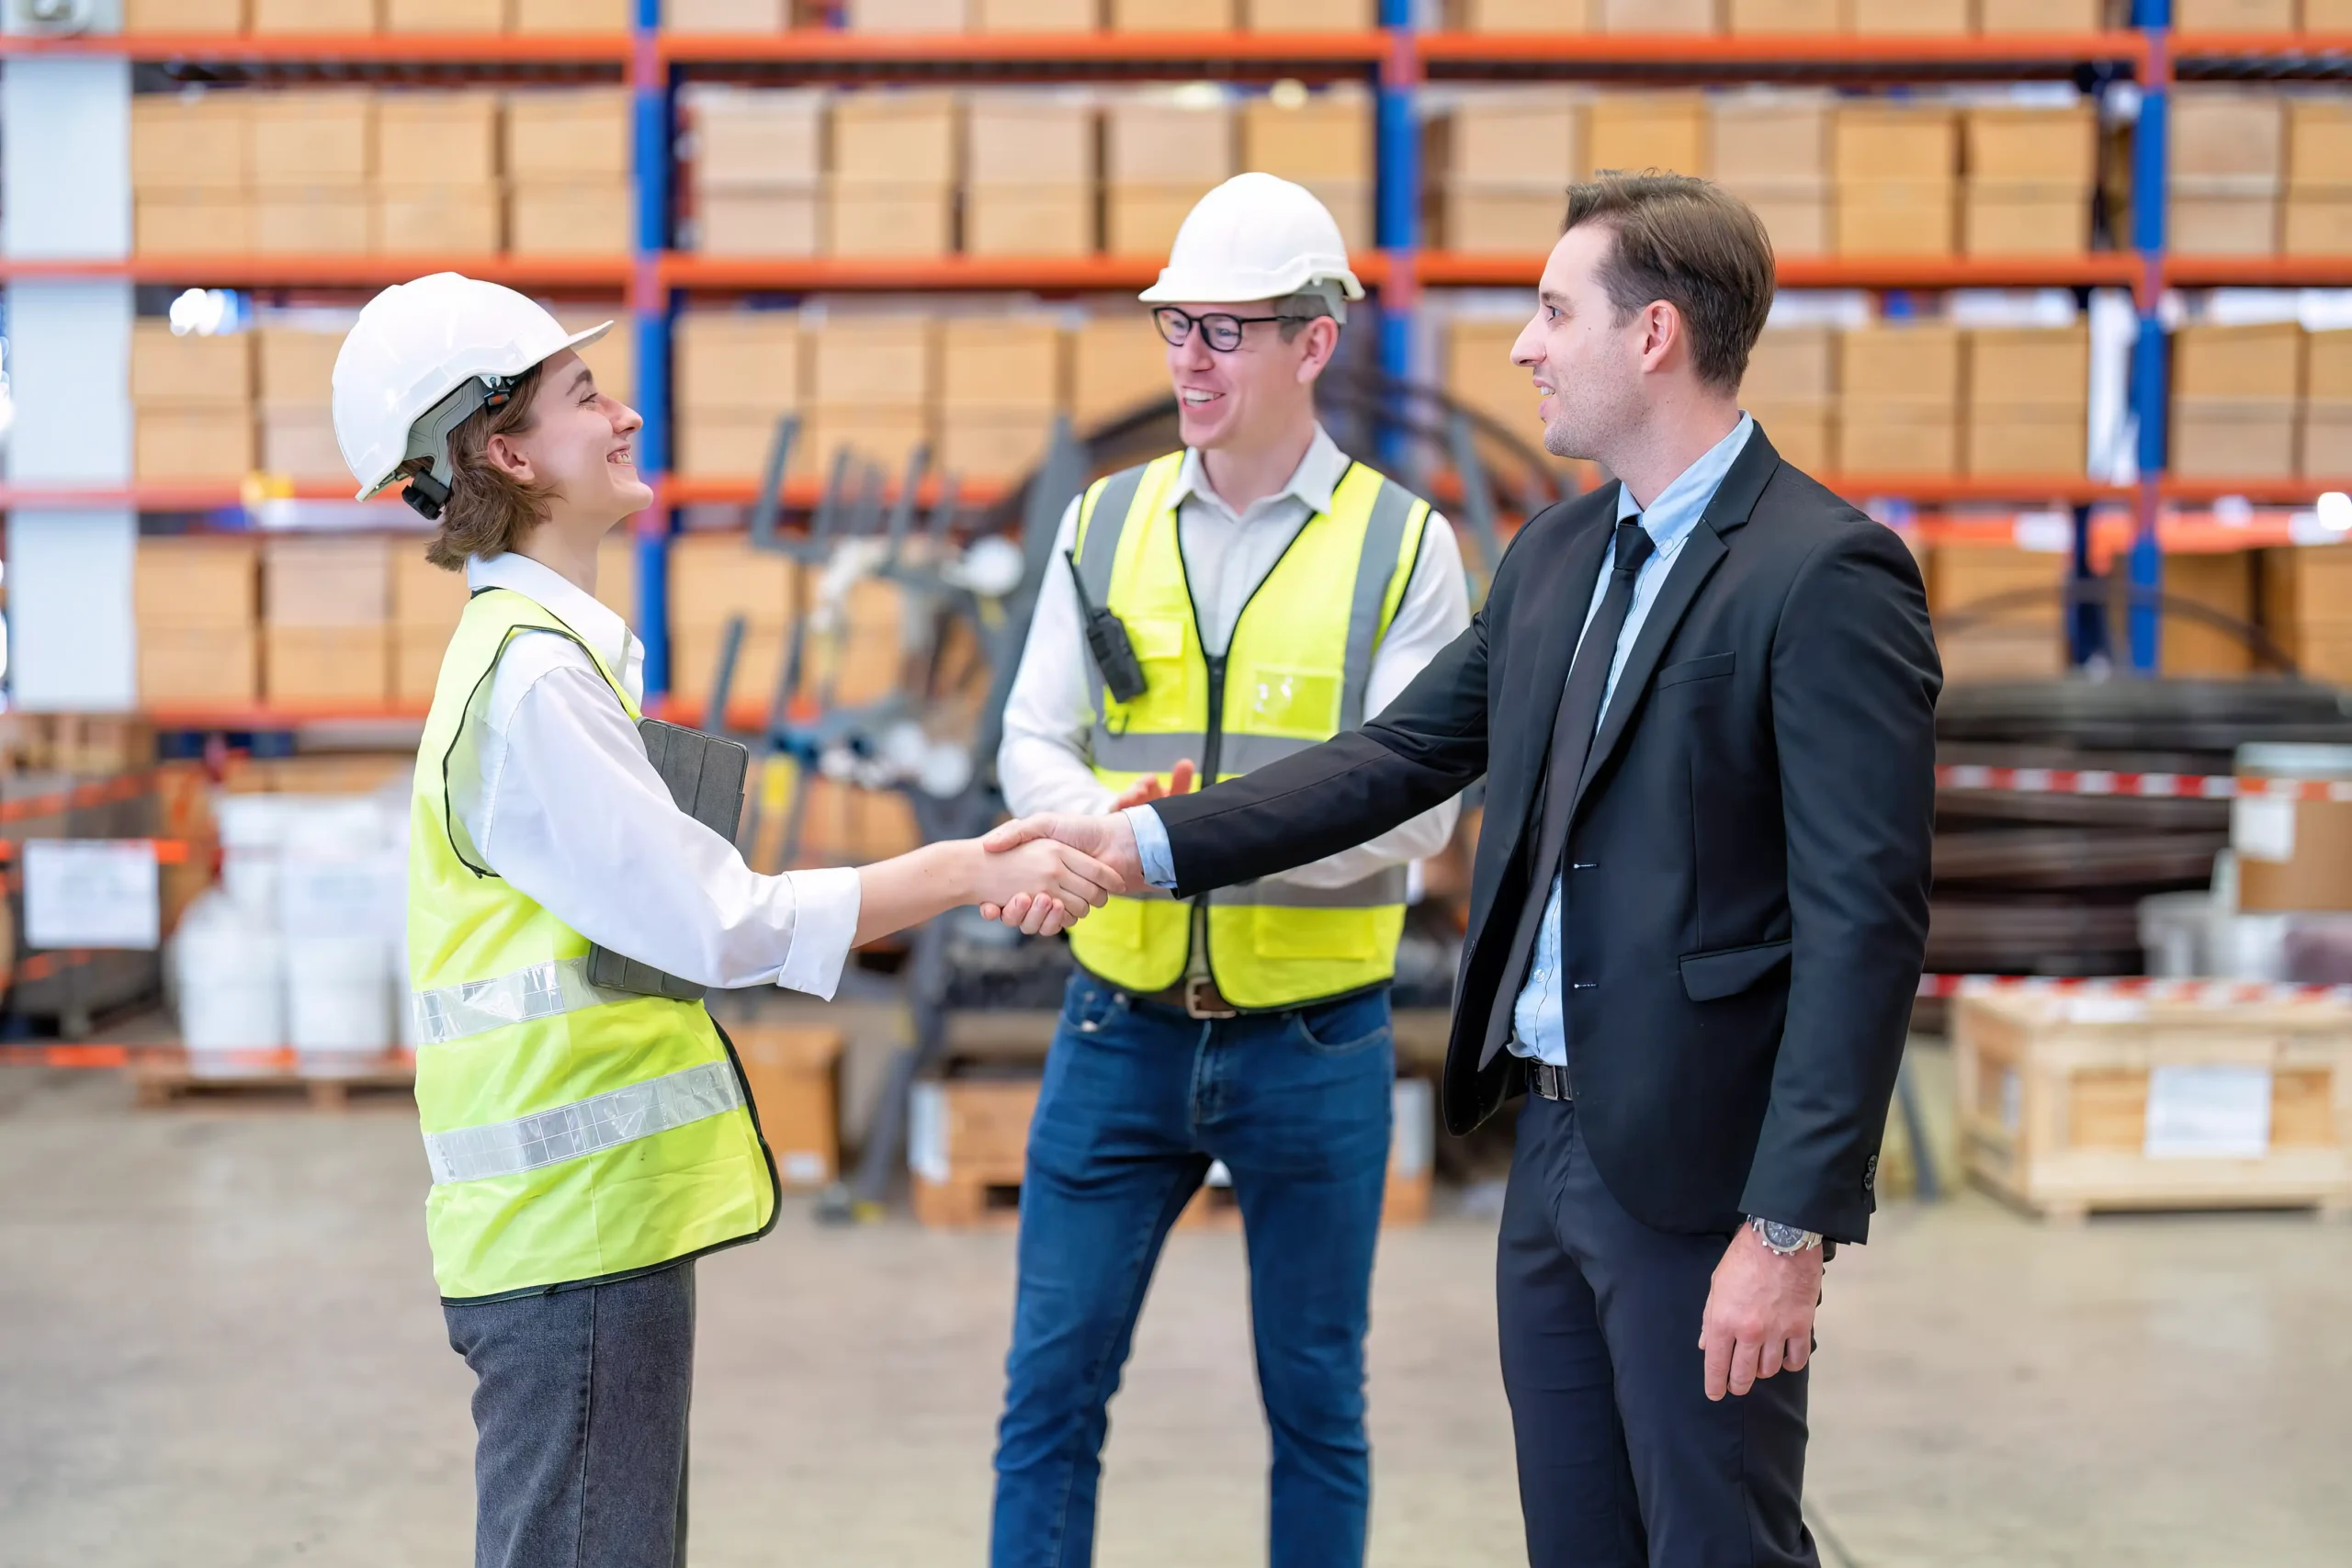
(1703, 699)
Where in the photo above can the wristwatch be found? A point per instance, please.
(1782, 1241)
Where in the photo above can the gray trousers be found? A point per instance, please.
(579, 1421)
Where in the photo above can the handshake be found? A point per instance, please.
(1044, 874)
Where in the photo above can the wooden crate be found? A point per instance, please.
(2075, 1102)
(255, 1079)
(795, 1075)
(967, 1139)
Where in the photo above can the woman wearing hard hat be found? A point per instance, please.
(587, 1144)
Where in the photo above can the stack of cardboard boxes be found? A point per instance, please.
(1999, 610)
(196, 600)
(1323, 140)
(1897, 167)
(427, 604)
(1913, 17)
(2237, 394)
(1772, 150)
(892, 191)
(2307, 608)
(714, 577)
(1118, 363)
(1162, 150)
(314, 168)
(2324, 443)
(296, 404)
(1899, 399)
(873, 385)
(191, 405)
(437, 161)
(2227, 157)
(2319, 177)
(568, 172)
(1508, 155)
(191, 173)
(326, 620)
(1029, 173)
(319, 17)
(738, 373)
(2030, 175)
(758, 170)
(2029, 400)
(1001, 380)
(1792, 389)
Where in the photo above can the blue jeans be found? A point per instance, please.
(1138, 1100)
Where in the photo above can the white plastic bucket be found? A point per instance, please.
(227, 972)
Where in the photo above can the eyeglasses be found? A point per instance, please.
(1223, 330)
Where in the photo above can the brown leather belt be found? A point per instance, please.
(1194, 996)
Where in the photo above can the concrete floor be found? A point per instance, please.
(218, 1346)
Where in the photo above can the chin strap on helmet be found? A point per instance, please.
(429, 470)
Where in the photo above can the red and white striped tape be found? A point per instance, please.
(2168, 787)
(2201, 993)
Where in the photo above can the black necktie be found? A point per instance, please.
(1580, 707)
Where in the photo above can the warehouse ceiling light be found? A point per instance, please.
(203, 312)
(2335, 511)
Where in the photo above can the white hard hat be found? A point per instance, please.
(423, 357)
(1254, 237)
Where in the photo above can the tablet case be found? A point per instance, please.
(706, 774)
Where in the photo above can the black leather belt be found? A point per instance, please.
(1549, 1082)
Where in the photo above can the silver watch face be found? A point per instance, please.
(1782, 1238)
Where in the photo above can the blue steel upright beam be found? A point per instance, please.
(1398, 219)
(648, 306)
(2151, 397)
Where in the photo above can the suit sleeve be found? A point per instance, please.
(1854, 680)
(1424, 749)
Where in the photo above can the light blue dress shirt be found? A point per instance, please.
(1535, 1017)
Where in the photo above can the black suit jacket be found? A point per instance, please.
(1747, 898)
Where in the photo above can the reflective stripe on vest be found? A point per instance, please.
(602, 1121)
(537, 991)
(1297, 670)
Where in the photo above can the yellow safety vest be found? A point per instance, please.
(1294, 675)
(575, 1134)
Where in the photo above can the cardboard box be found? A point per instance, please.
(794, 1073)
(2031, 146)
(1117, 364)
(1524, 15)
(2233, 16)
(313, 136)
(726, 15)
(993, 444)
(312, 16)
(439, 220)
(189, 142)
(1476, 369)
(865, 219)
(1311, 16)
(1328, 137)
(1806, 434)
(2222, 217)
(443, 15)
(1523, 219)
(1142, 220)
(903, 16)
(199, 666)
(1035, 16)
(2323, 444)
(694, 665)
(1791, 366)
(1780, 140)
(2231, 439)
(575, 220)
(313, 221)
(1939, 19)
(895, 136)
(1915, 363)
(417, 655)
(2327, 16)
(2020, 220)
(1514, 136)
(1173, 15)
(322, 666)
(299, 444)
(1633, 131)
(2220, 581)
(2027, 439)
(2238, 362)
(1894, 439)
(2008, 17)
(192, 445)
(1876, 144)
(735, 444)
(1006, 363)
(1658, 16)
(423, 597)
(885, 436)
(184, 17)
(739, 359)
(2318, 223)
(561, 136)
(1963, 577)
(167, 367)
(873, 360)
(571, 17)
(2227, 131)
(780, 222)
(326, 582)
(755, 139)
(1800, 221)
(437, 138)
(1017, 136)
(1742, 16)
(197, 223)
(1350, 203)
(197, 579)
(714, 576)
(2013, 367)
(1029, 221)
(2327, 365)
(1151, 138)
(2306, 589)
(1897, 218)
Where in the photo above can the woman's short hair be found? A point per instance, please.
(490, 511)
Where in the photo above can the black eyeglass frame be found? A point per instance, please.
(1177, 339)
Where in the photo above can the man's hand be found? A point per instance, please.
(1760, 1313)
(1149, 788)
(1109, 840)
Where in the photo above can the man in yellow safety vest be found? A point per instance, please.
(1274, 593)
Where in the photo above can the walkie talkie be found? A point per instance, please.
(1106, 639)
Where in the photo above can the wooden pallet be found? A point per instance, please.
(962, 1204)
(164, 1077)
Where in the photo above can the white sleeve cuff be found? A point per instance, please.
(824, 923)
(1152, 848)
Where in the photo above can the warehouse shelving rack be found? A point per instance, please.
(1397, 60)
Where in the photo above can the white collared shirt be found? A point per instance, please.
(563, 805)
(1043, 762)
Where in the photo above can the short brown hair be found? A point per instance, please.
(490, 511)
(1692, 244)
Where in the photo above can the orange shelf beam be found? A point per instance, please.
(470, 49)
(820, 46)
(1488, 270)
(1700, 54)
(1956, 490)
(2259, 272)
(247, 270)
(2262, 492)
(693, 270)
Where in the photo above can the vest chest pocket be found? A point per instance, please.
(1159, 646)
(1282, 701)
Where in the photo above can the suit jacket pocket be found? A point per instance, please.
(1705, 667)
(1711, 976)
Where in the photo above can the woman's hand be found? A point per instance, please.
(1056, 886)
(1020, 911)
